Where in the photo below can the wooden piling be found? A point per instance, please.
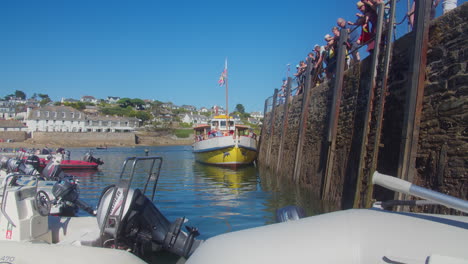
(284, 126)
(334, 112)
(272, 127)
(302, 123)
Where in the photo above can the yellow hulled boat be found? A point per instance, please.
(217, 144)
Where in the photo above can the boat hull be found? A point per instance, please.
(225, 151)
(73, 165)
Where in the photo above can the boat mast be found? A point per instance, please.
(227, 109)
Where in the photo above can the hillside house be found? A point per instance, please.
(194, 119)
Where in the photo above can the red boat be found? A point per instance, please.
(88, 163)
(72, 164)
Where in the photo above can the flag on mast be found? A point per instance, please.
(222, 78)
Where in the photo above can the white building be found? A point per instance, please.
(7, 110)
(195, 119)
(112, 99)
(56, 119)
(257, 115)
(68, 119)
(111, 124)
(88, 99)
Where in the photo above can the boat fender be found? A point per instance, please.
(289, 213)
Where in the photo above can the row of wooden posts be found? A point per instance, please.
(412, 111)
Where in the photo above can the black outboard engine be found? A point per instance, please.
(142, 227)
(88, 157)
(30, 166)
(67, 190)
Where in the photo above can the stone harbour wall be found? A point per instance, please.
(442, 154)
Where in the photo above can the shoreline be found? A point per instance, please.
(74, 143)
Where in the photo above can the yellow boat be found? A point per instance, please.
(217, 144)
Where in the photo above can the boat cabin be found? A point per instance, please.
(217, 128)
(219, 123)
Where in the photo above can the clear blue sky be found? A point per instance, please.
(163, 50)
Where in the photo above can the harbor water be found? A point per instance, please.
(213, 199)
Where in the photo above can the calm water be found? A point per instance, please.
(216, 200)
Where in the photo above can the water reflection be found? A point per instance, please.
(226, 180)
(214, 199)
(285, 193)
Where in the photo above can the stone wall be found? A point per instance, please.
(84, 139)
(16, 136)
(442, 155)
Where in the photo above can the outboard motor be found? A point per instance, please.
(53, 172)
(12, 165)
(67, 190)
(141, 227)
(4, 162)
(30, 166)
(88, 157)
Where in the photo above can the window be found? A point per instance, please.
(64, 114)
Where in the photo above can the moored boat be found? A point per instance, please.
(224, 143)
(126, 226)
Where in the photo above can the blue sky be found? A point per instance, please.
(162, 50)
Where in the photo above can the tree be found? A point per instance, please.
(124, 102)
(44, 99)
(137, 103)
(20, 94)
(142, 115)
(43, 96)
(240, 108)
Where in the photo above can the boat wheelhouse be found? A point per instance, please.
(222, 142)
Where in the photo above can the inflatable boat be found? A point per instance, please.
(350, 236)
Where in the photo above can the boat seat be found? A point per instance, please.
(75, 231)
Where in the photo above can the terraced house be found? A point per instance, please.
(68, 119)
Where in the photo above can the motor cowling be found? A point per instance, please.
(52, 171)
(88, 157)
(67, 190)
(143, 228)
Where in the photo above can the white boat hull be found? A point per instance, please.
(351, 236)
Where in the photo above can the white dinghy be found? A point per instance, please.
(125, 228)
(350, 236)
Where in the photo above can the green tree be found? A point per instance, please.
(240, 108)
(44, 99)
(43, 96)
(20, 94)
(124, 102)
(142, 115)
(138, 103)
(76, 105)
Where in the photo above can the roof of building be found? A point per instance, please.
(112, 118)
(51, 110)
